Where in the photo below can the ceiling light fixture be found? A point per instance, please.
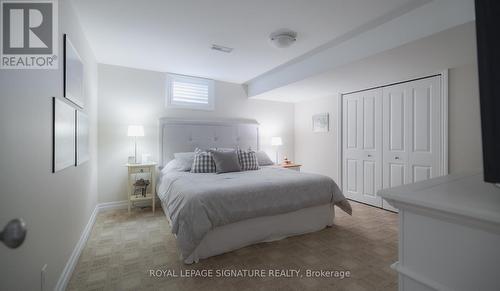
(283, 38)
(221, 48)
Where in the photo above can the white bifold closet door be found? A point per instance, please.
(412, 132)
(391, 136)
(362, 146)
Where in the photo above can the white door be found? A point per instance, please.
(412, 132)
(362, 146)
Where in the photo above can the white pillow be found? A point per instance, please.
(177, 165)
(263, 159)
(186, 155)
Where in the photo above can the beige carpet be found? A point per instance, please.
(122, 250)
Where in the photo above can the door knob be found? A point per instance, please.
(369, 156)
(396, 158)
(14, 233)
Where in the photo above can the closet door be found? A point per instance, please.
(362, 146)
(411, 132)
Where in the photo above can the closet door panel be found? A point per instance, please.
(369, 179)
(396, 121)
(352, 176)
(395, 135)
(351, 114)
(350, 157)
(421, 125)
(362, 156)
(412, 132)
(369, 130)
(395, 138)
(424, 128)
(421, 173)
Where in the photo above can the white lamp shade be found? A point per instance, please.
(135, 130)
(276, 141)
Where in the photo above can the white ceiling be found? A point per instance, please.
(317, 74)
(175, 36)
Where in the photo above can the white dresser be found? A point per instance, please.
(449, 236)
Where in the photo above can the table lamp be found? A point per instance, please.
(276, 141)
(135, 131)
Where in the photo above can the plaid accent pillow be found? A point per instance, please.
(203, 162)
(248, 160)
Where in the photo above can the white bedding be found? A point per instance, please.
(197, 204)
(240, 234)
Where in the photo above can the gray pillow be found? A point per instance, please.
(226, 161)
(263, 159)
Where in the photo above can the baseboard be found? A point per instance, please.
(112, 205)
(75, 255)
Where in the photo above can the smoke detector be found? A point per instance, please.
(283, 38)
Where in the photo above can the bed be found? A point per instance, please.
(211, 214)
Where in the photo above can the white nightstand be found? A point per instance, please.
(295, 167)
(135, 173)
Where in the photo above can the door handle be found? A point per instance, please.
(369, 156)
(396, 158)
(14, 233)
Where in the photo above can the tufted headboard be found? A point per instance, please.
(182, 135)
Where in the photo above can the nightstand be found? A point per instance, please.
(141, 183)
(295, 167)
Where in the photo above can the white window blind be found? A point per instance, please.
(190, 92)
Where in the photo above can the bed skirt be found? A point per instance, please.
(237, 235)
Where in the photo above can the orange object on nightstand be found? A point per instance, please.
(290, 165)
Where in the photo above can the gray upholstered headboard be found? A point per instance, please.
(182, 135)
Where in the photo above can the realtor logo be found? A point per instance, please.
(29, 35)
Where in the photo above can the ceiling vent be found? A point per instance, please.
(221, 48)
(283, 38)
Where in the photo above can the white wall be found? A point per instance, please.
(454, 49)
(56, 207)
(133, 96)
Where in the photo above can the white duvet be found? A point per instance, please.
(198, 203)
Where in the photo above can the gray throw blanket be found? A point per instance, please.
(198, 203)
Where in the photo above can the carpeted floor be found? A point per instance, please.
(122, 250)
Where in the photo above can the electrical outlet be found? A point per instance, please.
(43, 274)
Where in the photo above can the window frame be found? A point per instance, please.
(170, 103)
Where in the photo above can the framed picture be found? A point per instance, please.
(64, 141)
(82, 138)
(73, 74)
(320, 122)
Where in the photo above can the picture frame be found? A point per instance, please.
(82, 138)
(63, 135)
(321, 122)
(73, 72)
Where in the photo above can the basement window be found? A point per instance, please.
(190, 92)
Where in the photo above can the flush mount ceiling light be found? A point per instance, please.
(283, 38)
